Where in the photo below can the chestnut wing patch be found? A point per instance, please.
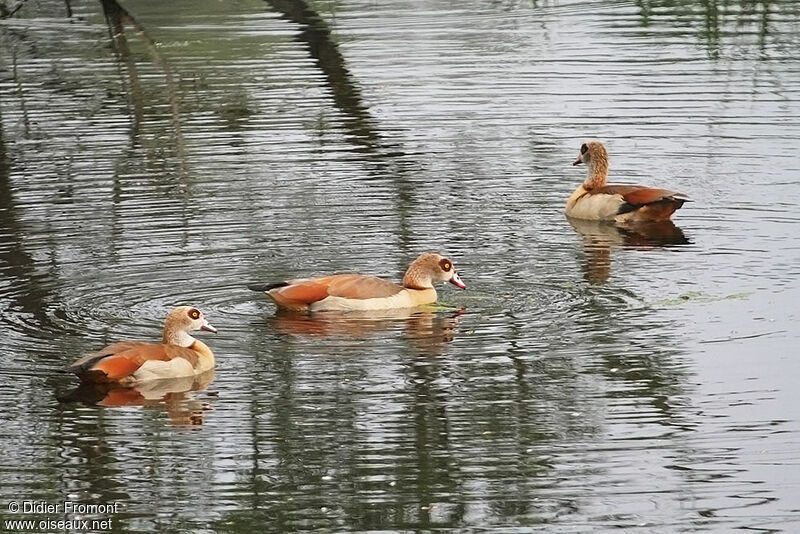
(304, 291)
(85, 363)
(120, 360)
(640, 197)
(348, 286)
(126, 362)
(636, 196)
(359, 287)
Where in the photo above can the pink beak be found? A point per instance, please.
(208, 328)
(456, 281)
(577, 161)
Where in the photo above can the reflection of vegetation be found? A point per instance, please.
(710, 17)
(29, 295)
(317, 36)
(118, 18)
(6, 12)
(711, 28)
(235, 108)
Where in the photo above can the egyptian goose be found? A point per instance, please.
(131, 362)
(621, 203)
(361, 292)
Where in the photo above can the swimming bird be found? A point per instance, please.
(621, 203)
(362, 292)
(132, 362)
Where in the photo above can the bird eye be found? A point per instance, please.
(584, 148)
(194, 313)
(445, 264)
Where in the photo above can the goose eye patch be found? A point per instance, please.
(194, 314)
(445, 265)
(584, 148)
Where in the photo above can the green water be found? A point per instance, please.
(590, 379)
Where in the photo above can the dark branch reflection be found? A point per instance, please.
(30, 291)
(317, 36)
(117, 18)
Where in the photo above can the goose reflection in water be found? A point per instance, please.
(428, 331)
(172, 395)
(600, 237)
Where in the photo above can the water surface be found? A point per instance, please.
(590, 379)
